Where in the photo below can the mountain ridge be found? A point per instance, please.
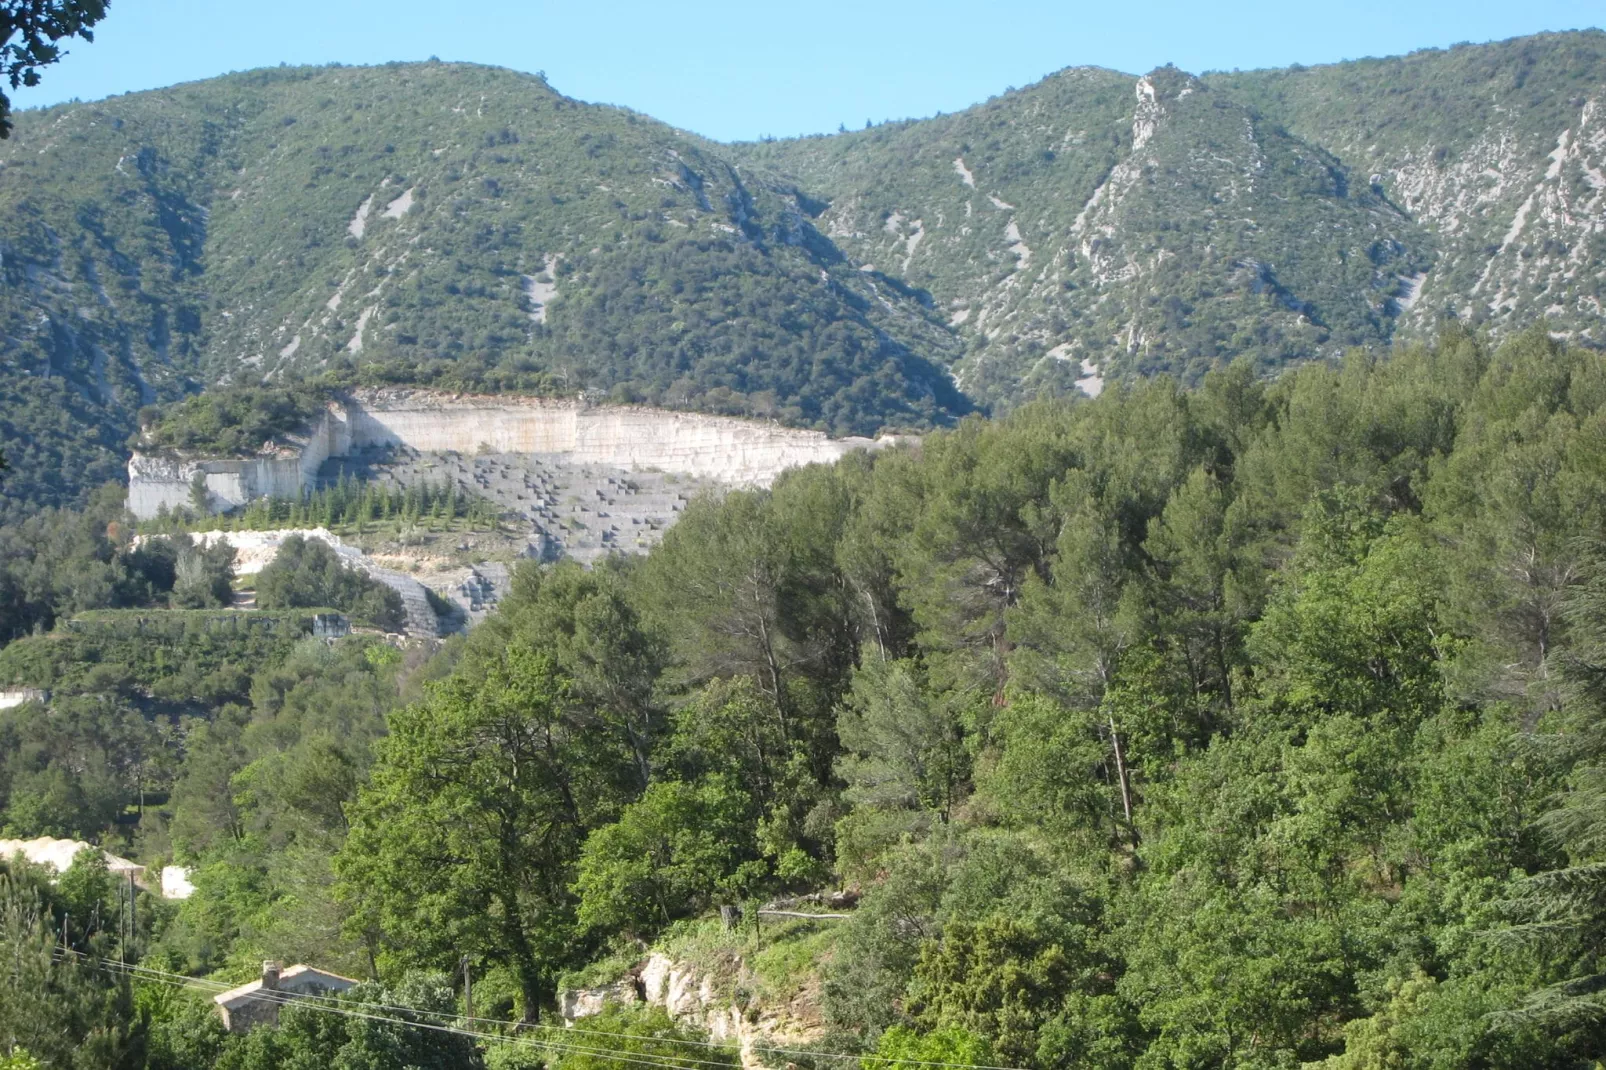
(1315, 119)
(469, 227)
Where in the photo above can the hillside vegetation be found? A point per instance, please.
(430, 223)
(1252, 726)
(1170, 222)
(471, 228)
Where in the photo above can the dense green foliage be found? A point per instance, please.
(407, 224)
(347, 506)
(472, 230)
(1250, 726)
(306, 573)
(57, 1011)
(1192, 729)
(234, 421)
(59, 562)
(203, 576)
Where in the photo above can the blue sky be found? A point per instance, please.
(740, 71)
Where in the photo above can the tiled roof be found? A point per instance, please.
(301, 970)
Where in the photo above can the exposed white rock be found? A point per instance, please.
(1147, 116)
(12, 697)
(1410, 289)
(400, 206)
(964, 172)
(58, 854)
(255, 550)
(655, 977)
(359, 222)
(1091, 382)
(1022, 251)
(912, 242)
(724, 449)
(355, 345)
(176, 882)
(540, 294)
(580, 1003)
(695, 997)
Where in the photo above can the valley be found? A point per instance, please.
(367, 223)
(1113, 577)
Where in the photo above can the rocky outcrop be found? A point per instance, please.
(577, 1003)
(421, 619)
(254, 550)
(166, 480)
(723, 1006)
(732, 451)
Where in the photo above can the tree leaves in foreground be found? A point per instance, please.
(29, 32)
(463, 840)
(1247, 727)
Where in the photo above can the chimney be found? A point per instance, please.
(270, 976)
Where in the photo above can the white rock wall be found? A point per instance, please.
(714, 447)
(158, 479)
(16, 696)
(756, 1030)
(733, 451)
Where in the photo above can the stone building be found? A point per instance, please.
(258, 1003)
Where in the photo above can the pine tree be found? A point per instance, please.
(1562, 911)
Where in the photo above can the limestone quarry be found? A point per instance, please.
(566, 478)
(725, 450)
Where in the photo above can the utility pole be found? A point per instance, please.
(468, 990)
(1120, 772)
(133, 919)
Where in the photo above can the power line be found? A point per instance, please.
(349, 1010)
(285, 998)
(567, 1030)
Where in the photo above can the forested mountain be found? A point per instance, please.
(472, 227)
(1253, 726)
(1169, 222)
(1250, 714)
(455, 224)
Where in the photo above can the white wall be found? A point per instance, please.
(734, 451)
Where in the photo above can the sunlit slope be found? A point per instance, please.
(1167, 222)
(451, 223)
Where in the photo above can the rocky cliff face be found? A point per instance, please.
(732, 451)
(698, 997)
(1523, 234)
(726, 450)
